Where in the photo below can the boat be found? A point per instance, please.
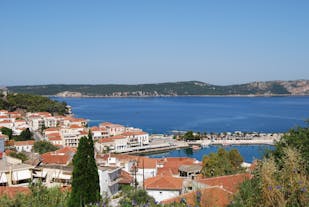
(196, 147)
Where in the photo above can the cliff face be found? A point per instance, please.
(298, 87)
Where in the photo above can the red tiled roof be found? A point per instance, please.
(108, 124)
(75, 126)
(11, 192)
(5, 121)
(66, 150)
(228, 182)
(49, 158)
(172, 164)
(95, 128)
(105, 140)
(210, 197)
(54, 138)
(52, 129)
(125, 178)
(22, 143)
(163, 183)
(61, 156)
(146, 162)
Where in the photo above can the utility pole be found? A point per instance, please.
(143, 175)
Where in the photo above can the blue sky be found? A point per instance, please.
(98, 42)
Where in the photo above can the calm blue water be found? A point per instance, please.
(210, 114)
(249, 152)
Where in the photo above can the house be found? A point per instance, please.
(145, 168)
(190, 171)
(113, 129)
(20, 123)
(117, 143)
(125, 178)
(4, 113)
(54, 170)
(208, 197)
(24, 146)
(137, 138)
(163, 187)
(72, 135)
(77, 121)
(55, 139)
(230, 183)
(109, 178)
(98, 133)
(6, 123)
(14, 115)
(59, 157)
(13, 172)
(53, 174)
(170, 165)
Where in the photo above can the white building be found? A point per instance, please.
(109, 178)
(6, 123)
(24, 146)
(163, 187)
(13, 172)
(113, 129)
(137, 138)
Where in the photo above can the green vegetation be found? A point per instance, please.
(7, 131)
(161, 89)
(32, 103)
(189, 135)
(40, 196)
(19, 155)
(285, 184)
(222, 163)
(24, 135)
(297, 138)
(281, 179)
(44, 146)
(136, 198)
(85, 179)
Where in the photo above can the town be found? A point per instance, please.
(165, 179)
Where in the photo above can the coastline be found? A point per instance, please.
(167, 96)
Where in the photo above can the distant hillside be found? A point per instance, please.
(299, 87)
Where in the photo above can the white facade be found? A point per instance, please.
(70, 137)
(50, 122)
(36, 123)
(145, 174)
(7, 124)
(160, 195)
(109, 178)
(26, 146)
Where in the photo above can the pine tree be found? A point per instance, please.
(85, 183)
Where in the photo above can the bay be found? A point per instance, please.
(248, 152)
(204, 114)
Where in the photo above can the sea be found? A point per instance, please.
(162, 115)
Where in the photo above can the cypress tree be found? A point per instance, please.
(85, 183)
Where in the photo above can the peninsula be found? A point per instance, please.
(186, 88)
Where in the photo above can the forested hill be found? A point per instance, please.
(299, 87)
(32, 103)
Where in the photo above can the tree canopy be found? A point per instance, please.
(222, 163)
(44, 146)
(32, 103)
(85, 179)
